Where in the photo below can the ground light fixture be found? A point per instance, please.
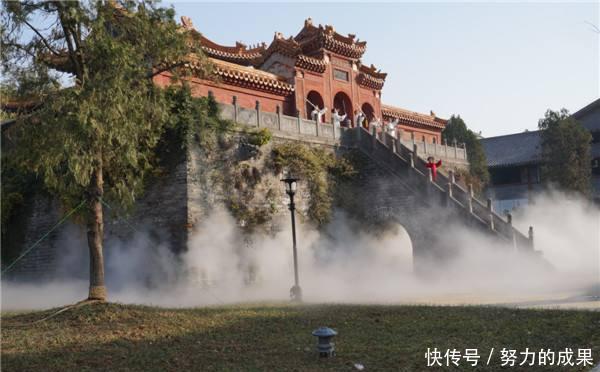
(325, 347)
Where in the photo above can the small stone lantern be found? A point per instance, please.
(325, 347)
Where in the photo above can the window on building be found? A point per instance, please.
(505, 176)
(596, 166)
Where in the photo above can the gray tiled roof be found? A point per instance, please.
(513, 149)
(589, 116)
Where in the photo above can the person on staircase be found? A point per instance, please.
(431, 164)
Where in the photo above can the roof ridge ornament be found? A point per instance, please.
(187, 23)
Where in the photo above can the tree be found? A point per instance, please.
(94, 140)
(566, 156)
(456, 129)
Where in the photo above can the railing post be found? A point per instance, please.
(491, 211)
(446, 149)
(455, 149)
(415, 149)
(449, 191)
(412, 159)
(464, 145)
(512, 230)
(451, 176)
(278, 110)
(470, 204)
(317, 124)
(374, 133)
(430, 175)
(258, 113)
(393, 147)
(471, 192)
(298, 121)
(235, 109)
(531, 236)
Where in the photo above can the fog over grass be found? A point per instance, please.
(337, 265)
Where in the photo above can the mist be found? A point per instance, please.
(339, 264)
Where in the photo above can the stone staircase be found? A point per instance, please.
(398, 158)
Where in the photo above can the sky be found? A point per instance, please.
(499, 66)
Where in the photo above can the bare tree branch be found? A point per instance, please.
(41, 37)
(166, 68)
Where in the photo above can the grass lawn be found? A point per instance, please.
(277, 337)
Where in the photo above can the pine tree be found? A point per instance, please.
(93, 140)
(566, 156)
(456, 129)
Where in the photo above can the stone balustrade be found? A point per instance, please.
(294, 125)
(276, 121)
(450, 193)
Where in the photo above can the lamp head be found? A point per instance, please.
(290, 185)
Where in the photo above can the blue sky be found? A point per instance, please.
(498, 65)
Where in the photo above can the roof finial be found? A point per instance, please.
(187, 23)
(432, 113)
(308, 22)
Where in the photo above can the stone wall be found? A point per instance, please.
(392, 185)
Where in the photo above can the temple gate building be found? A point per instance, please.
(316, 68)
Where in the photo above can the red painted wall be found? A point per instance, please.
(224, 93)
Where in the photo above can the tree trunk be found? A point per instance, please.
(95, 233)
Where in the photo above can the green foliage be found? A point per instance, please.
(456, 129)
(565, 152)
(17, 186)
(260, 137)
(192, 118)
(319, 169)
(240, 187)
(114, 115)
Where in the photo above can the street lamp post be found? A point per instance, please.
(290, 189)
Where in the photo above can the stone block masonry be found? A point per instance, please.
(394, 181)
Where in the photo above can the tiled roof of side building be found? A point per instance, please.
(513, 149)
(589, 116)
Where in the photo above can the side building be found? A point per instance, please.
(514, 163)
(589, 117)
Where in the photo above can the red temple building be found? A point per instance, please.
(317, 67)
